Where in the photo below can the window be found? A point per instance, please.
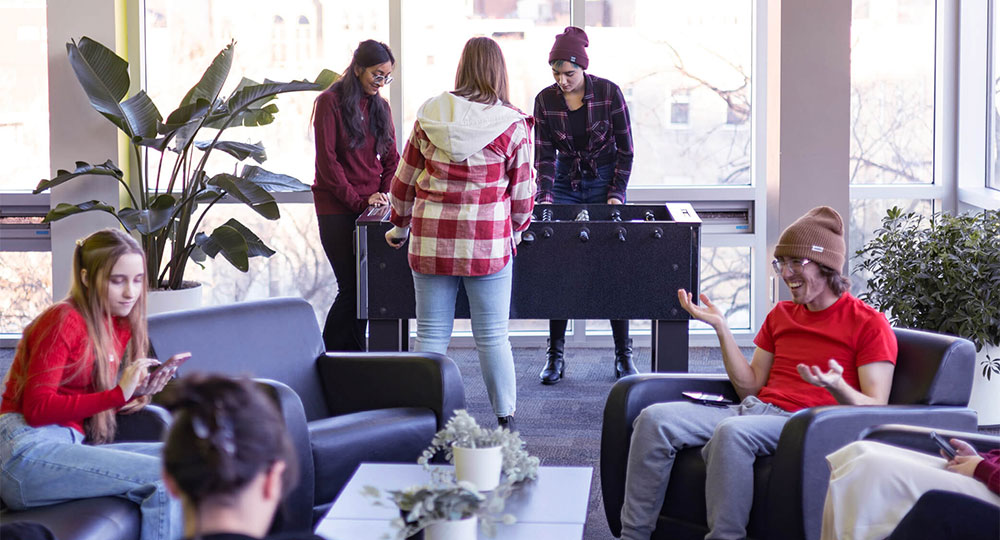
(993, 174)
(680, 108)
(892, 94)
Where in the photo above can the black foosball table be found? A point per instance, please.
(575, 261)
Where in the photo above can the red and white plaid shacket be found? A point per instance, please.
(462, 214)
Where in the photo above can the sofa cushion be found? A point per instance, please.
(104, 518)
(341, 443)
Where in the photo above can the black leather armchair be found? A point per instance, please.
(931, 386)
(100, 518)
(341, 408)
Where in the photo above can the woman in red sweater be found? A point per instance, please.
(356, 157)
(77, 365)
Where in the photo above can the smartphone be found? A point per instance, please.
(708, 399)
(174, 361)
(945, 446)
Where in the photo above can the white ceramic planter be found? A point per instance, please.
(985, 398)
(464, 529)
(479, 466)
(162, 300)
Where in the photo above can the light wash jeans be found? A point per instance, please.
(489, 307)
(732, 436)
(50, 464)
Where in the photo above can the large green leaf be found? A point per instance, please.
(210, 84)
(65, 210)
(238, 150)
(236, 243)
(104, 78)
(272, 182)
(249, 193)
(152, 219)
(255, 96)
(108, 168)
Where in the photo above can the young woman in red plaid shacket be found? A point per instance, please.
(463, 193)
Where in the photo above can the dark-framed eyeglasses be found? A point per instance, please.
(795, 265)
(382, 79)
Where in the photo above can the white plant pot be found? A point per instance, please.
(464, 529)
(479, 466)
(985, 398)
(164, 300)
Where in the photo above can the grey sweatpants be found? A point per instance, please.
(732, 436)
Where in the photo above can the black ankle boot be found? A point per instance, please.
(623, 359)
(507, 422)
(555, 364)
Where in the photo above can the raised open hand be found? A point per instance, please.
(707, 312)
(816, 376)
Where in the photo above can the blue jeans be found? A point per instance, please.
(489, 307)
(50, 464)
(592, 187)
(732, 436)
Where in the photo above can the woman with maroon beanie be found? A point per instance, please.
(356, 157)
(583, 153)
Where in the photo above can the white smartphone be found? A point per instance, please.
(708, 399)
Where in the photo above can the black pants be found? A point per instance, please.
(945, 515)
(343, 330)
(619, 329)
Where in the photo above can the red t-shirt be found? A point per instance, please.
(54, 343)
(850, 332)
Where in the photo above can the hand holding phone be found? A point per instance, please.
(945, 446)
(171, 364)
(162, 374)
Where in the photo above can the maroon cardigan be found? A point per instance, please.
(345, 176)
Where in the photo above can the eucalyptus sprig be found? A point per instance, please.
(462, 430)
(424, 505)
(940, 274)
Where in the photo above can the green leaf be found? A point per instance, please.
(238, 150)
(326, 78)
(249, 193)
(65, 210)
(104, 78)
(236, 243)
(151, 220)
(252, 97)
(108, 168)
(273, 182)
(211, 82)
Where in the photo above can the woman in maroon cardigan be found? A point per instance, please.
(356, 157)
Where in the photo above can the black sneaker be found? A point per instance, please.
(507, 422)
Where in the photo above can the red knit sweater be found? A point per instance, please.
(988, 470)
(345, 176)
(54, 343)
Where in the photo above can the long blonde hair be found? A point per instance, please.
(482, 72)
(95, 255)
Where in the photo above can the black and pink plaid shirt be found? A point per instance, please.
(610, 136)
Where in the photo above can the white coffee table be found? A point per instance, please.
(553, 507)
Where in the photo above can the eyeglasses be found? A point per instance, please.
(795, 265)
(382, 79)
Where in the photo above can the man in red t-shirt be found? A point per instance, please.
(823, 348)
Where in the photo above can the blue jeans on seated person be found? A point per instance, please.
(50, 464)
(489, 307)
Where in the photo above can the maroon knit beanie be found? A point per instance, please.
(817, 236)
(569, 46)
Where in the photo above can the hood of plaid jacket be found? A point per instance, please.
(460, 127)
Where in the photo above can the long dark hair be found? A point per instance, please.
(369, 53)
(225, 432)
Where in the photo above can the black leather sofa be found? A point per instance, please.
(931, 387)
(341, 408)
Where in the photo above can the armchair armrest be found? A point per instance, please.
(356, 382)
(800, 474)
(918, 437)
(148, 424)
(628, 397)
(295, 513)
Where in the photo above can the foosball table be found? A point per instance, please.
(575, 261)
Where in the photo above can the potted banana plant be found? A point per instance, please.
(171, 188)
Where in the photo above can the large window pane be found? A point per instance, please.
(892, 92)
(685, 69)
(866, 217)
(994, 172)
(25, 288)
(434, 32)
(24, 95)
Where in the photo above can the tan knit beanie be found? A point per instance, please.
(817, 236)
